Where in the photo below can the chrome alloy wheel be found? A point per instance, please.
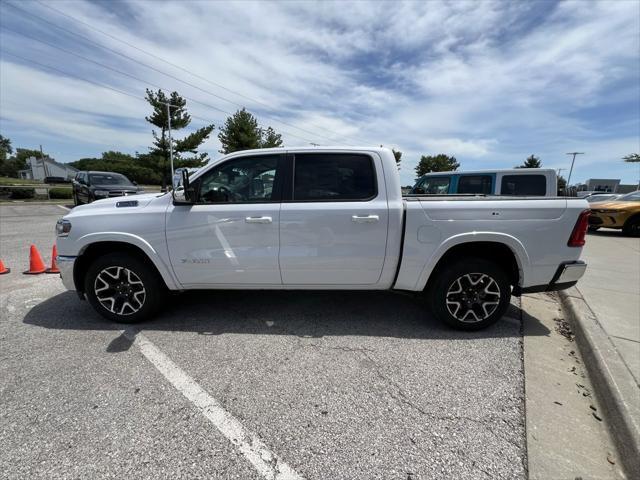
(473, 297)
(119, 290)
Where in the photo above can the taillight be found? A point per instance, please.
(579, 230)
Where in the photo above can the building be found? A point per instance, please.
(612, 185)
(39, 168)
(602, 185)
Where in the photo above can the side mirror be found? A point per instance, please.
(135, 183)
(419, 191)
(184, 194)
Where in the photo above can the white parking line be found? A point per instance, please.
(268, 464)
(63, 207)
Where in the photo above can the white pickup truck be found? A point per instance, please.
(319, 218)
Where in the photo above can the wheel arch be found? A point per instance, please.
(633, 217)
(507, 250)
(95, 247)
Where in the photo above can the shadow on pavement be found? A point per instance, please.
(311, 314)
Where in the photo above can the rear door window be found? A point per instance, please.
(333, 177)
(434, 185)
(526, 185)
(475, 184)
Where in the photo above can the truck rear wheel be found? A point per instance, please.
(470, 294)
(122, 288)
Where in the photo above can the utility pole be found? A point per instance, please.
(572, 162)
(170, 141)
(169, 106)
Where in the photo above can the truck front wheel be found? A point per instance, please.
(470, 294)
(123, 288)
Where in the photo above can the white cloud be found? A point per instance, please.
(489, 82)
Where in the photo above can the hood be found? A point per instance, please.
(110, 203)
(614, 205)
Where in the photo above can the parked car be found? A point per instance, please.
(54, 180)
(314, 218)
(90, 186)
(516, 181)
(601, 197)
(622, 213)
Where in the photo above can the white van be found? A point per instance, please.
(537, 182)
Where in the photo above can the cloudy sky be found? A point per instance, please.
(488, 82)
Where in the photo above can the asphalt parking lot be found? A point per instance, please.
(316, 384)
(337, 385)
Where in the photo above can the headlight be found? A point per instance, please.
(101, 193)
(63, 227)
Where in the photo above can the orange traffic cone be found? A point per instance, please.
(3, 269)
(36, 265)
(54, 263)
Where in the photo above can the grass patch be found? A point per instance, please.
(18, 181)
(63, 193)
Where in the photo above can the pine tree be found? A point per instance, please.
(271, 139)
(241, 132)
(179, 120)
(531, 162)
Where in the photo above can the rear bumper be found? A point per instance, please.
(65, 264)
(566, 276)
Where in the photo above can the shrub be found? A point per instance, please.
(59, 193)
(22, 193)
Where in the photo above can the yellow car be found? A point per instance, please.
(622, 213)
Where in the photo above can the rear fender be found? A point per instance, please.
(513, 243)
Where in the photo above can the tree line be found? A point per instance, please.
(240, 131)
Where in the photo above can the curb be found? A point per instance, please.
(615, 386)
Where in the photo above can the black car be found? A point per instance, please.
(90, 186)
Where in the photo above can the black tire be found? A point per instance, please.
(141, 307)
(631, 227)
(480, 312)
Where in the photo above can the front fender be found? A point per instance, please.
(165, 272)
(520, 253)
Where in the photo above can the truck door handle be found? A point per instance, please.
(258, 220)
(365, 218)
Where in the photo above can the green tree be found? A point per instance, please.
(270, 138)
(179, 120)
(632, 158)
(242, 132)
(5, 148)
(18, 161)
(436, 163)
(398, 155)
(531, 162)
(140, 168)
(562, 185)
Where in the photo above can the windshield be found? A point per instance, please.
(108, 179)
(630, 197)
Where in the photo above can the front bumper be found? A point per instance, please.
(566, 276)
(607, 220)
(65, 264)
